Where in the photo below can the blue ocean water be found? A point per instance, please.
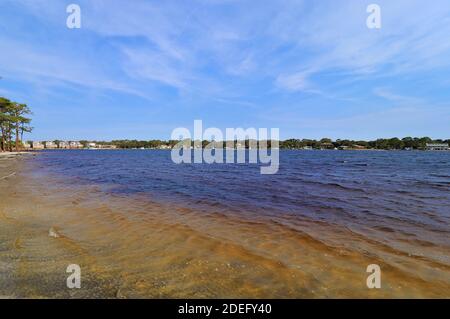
(392, 192)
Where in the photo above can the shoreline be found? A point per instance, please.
(13, 154)
(35, 151)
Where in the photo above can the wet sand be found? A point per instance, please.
(131, 247)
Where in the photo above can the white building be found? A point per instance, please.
(437, 147)
(37, 145)
(63, 144)
(50, 145)
(75, 145)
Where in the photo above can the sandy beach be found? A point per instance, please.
(33, 263)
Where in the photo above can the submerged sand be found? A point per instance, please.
(131, 247)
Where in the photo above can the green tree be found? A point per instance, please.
(5, 123)
(13, 121)
(18, 119)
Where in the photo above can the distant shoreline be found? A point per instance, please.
(31, 151)
(407, 144)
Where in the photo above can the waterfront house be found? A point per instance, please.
(63, 144)
(437, 147)
(327, 146)
(50, 145)
(37, 145)
(75, 145)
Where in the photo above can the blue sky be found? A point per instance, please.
(139, 69)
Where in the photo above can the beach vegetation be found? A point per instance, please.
(14, 122)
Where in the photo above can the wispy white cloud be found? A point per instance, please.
(294, 82)
(397, 98)
(289, 42)
(153, 66)
(411, 39)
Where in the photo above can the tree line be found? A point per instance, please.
(14, 122)
(416, 143)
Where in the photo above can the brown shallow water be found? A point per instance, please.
(131, 247)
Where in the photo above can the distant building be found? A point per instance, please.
(327, 146)
(359, 147)
(63, 144)
(437, 147)
(92, 145)
(75, 145)
(27, 146)
(50, 145)
(37, 145)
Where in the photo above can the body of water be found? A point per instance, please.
(308, 231)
